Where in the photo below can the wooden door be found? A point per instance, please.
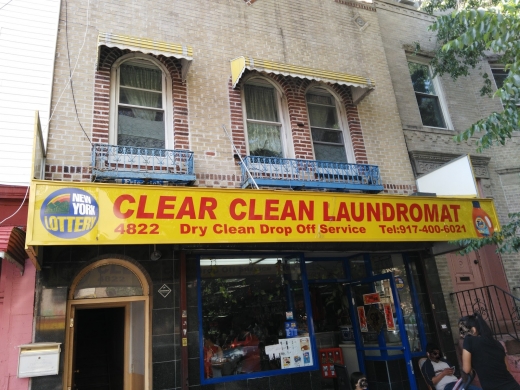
(465, 271)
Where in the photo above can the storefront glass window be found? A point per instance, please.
(394, 263)
(108, 281)
(254, 317)
(357, 267)
(423, 299)
(330, 308)
(323, 270)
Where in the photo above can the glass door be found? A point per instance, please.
(381, 335)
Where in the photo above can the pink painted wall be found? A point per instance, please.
(16, 320)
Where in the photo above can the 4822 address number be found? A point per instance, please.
(142, 228)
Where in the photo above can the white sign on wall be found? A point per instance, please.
(455, 178)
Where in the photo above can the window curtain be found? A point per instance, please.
(145, 78)
(264, 138)
(141, 127)
(322, 113)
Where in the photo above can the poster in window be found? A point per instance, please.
(389, 316)
(370, 299)
(362, 319)
(295, 352)
(399, 282)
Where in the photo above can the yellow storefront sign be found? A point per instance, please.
(84, 213)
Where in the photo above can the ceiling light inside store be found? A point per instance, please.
(218, 262)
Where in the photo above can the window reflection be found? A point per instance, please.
(394, 263)
(108, 281)
(357, 267)
(322, 270)
(254, 316)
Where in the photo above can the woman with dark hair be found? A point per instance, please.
(358, 381)
(485, 355)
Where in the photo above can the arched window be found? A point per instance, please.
(108, 281)
(327, 127)
(141, 105)
(109, 300)
(264, 119)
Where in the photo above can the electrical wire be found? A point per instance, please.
(16, 212)
(6, 4)
(71, 81)
(240, 157)
(75, 66)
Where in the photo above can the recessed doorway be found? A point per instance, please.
(107, 344)
(99, 349)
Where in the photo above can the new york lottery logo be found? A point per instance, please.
(69, 213)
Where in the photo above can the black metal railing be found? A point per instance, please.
(498, 307)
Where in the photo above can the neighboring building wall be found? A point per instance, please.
(28, 30)
(12, 211)
(323, 35)
(497, 168)
(16, 320)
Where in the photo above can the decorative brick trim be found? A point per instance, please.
(238, 132)
(67, 173)
(401, 189)
(356, 4)
(100, 127)
(216, 180)
(354, 124)
(294, 90)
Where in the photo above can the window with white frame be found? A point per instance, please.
(141, 104)
(265, 132)
(327, 134)
(427, 92)
(499, 75)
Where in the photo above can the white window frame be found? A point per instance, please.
(167, 94)
(496, 67)
(342, 122)
(283, 114)
(439, 92)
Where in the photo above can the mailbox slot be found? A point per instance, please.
(38, 359)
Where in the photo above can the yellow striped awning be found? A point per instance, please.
(360, 85)
(148, 46)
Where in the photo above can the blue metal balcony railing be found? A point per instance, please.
(130, 164)
(285, 172)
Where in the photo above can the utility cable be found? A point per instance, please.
(5, 4)
(240, 157)
(75, 66)
(16, 212)
(70, 71)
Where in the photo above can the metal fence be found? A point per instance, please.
(285, 172)
(129, 162)
(498, 307)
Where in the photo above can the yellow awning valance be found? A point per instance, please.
(360, 85)
(147, 46)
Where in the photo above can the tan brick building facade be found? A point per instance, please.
(267, 31)
(380, 127)
(496, 169)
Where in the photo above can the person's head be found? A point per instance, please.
(209, 341)
(358, 380)
(475, 326)
(434, 353)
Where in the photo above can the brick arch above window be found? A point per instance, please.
(102, 84)
(294, 90)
